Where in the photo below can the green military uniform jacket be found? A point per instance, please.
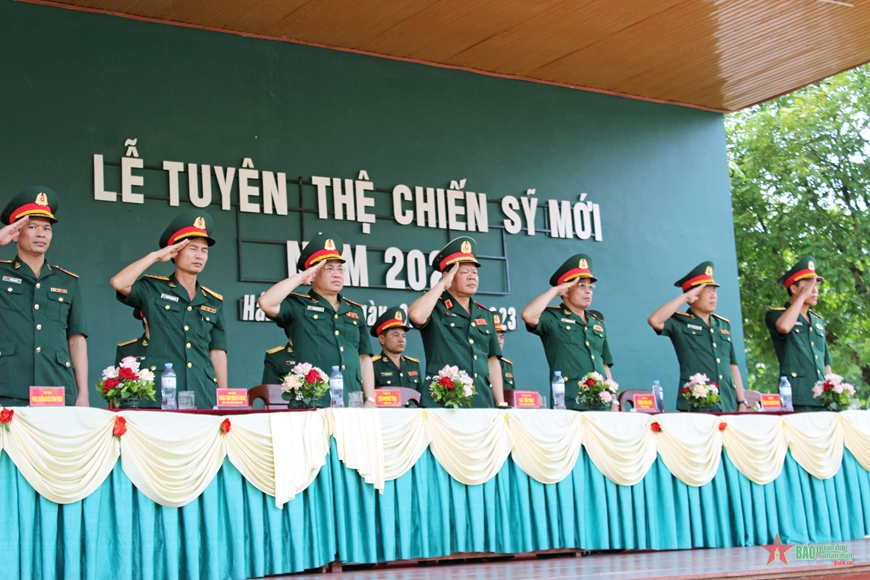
(388, 375)
(136, 347)
(278, 364)
(802, 353)
(507, 373)
(703, 349)
(323, 337)
(452, 336)
(183, 332)
(37, 316)
(573, 346)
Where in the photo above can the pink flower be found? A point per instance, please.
(468, 391)
(838, 388)
(606, 397)
(817, 391)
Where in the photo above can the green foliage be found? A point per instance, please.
(800, 181)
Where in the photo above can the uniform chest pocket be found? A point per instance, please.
(455, 329)
(571, 333)
(58, 307)
(596, 337)
(12, 297)
(206, 324)
(351, 331)
(166, 313)
(697, 339)
(317, 322)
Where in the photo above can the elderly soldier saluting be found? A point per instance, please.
(798, 335)
(392, 368)
(701, 339)
(574, 337)
(42, 319)
(324, 327)
(186, 319)
(455, 329)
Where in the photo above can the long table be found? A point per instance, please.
(167, 495)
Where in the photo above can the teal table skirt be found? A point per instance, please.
(235, 531)
(426, 514)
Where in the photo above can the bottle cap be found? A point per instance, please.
(783, 378)
(558, 373)
(656, 383)
(335, 367)
(167, 366)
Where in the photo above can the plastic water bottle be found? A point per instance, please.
(168, 388)
(659, 395)
(558, 386)
(336, 387)
(785, 393)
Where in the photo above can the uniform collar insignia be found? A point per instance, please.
(17, 264)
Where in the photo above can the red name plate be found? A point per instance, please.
(527, 399)
(46, 396)
(644, 403)
(388, 398)
(232, 398)
(771, 402)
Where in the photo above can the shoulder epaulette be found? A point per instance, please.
(556, 307)
(721, 317)
(5, 261)
(155, 277)
(301, 295)
(778, 308)
(596, 314)
(66, 271)
(816, 313)
(681, 313)
(276, 349)
(212, 292)
(510, 362)
(128, 342)
(376, 358)
(412, 359)
(352, 302)
(479, 305)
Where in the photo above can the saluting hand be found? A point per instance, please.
(562, 289)
(447, 277)
(169, 252)
(807, 290)
(309, 274)
(10, 233)
(692, 295)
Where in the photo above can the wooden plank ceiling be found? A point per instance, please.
(722, 55)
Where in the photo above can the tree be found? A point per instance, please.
(800, 182)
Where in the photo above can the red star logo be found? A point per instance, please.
(777, 550)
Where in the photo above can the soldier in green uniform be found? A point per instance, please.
(392, 368)
(456, 330)
(507, 367)
(42, 319)
(798, 335)
(701, 339)
(324, 327)
(137, 346)
(186, 319)
(278, 364)
(574, 337)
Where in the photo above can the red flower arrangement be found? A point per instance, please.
(452, 388)
(120, 426)
(6, 417)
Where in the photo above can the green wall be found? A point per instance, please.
(76, 84)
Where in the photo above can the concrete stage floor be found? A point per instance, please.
(677, 564)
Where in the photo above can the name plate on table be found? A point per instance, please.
(644, 403)
(525, 399)
(770, 402)
(46, 396)
(232, 398)
(388, 398)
